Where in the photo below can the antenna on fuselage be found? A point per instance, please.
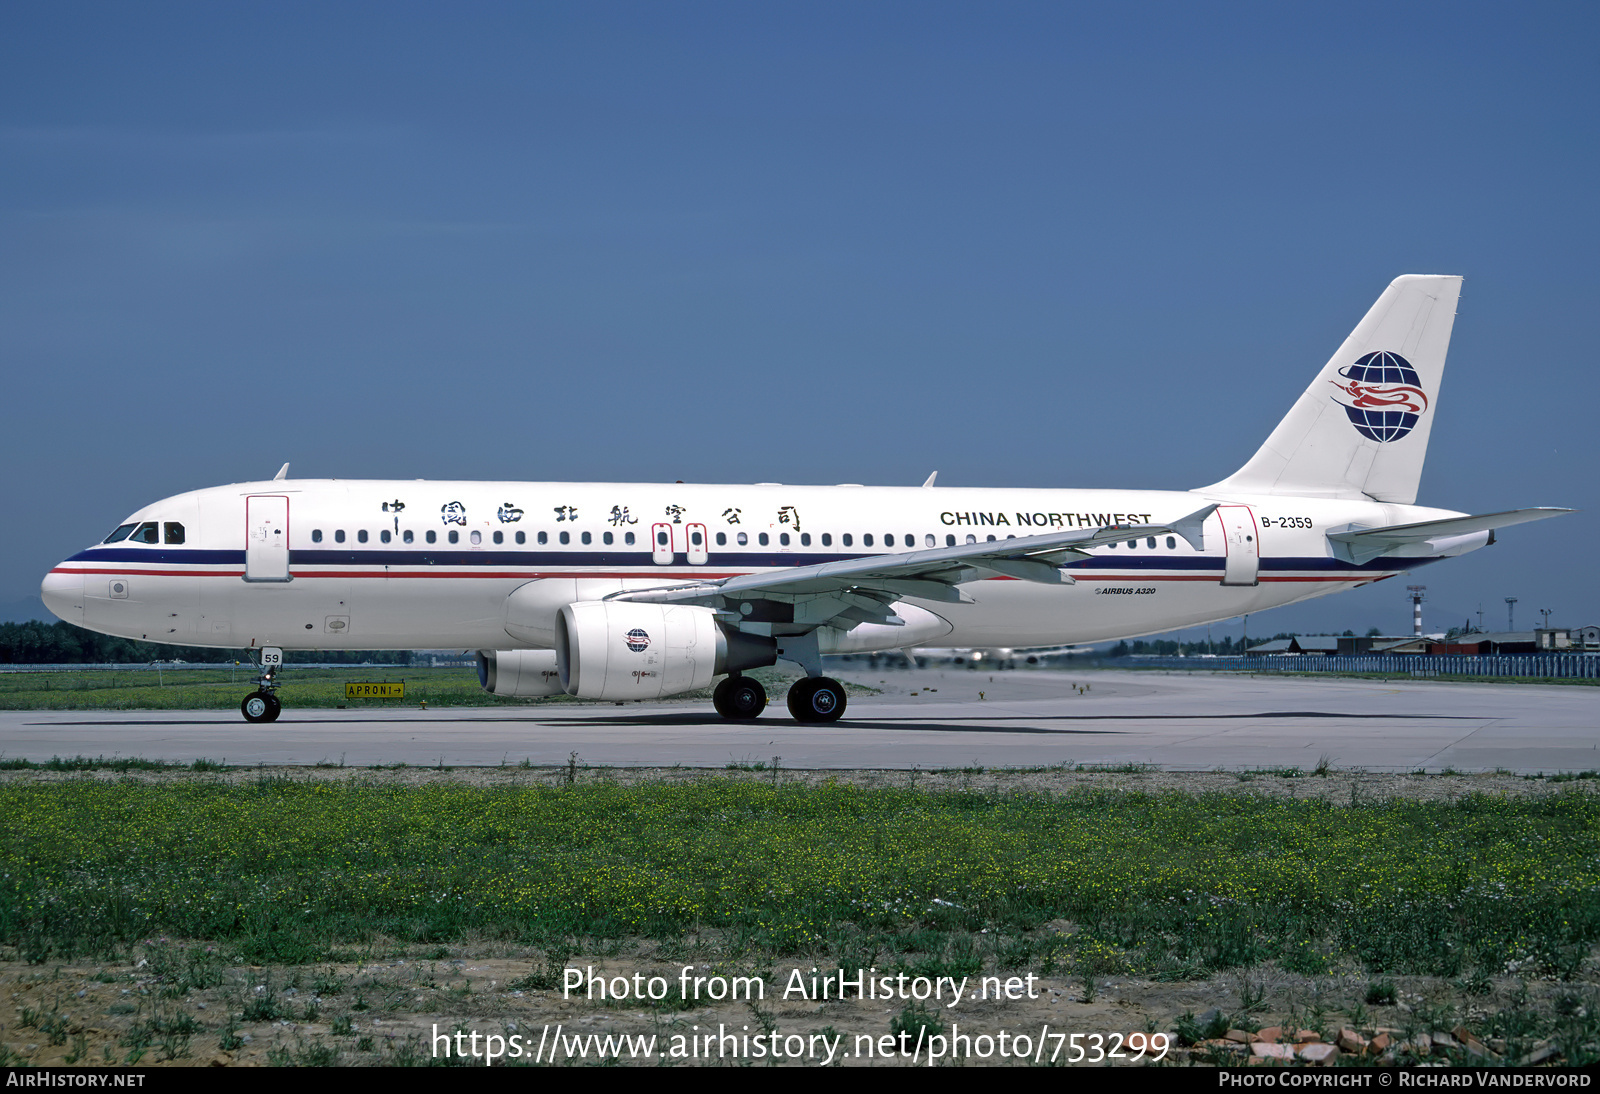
(283, 473)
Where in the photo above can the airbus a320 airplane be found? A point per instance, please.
(639, 591)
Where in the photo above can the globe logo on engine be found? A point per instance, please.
(638, 640)
(1382, 395)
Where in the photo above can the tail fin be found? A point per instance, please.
(1361, 428)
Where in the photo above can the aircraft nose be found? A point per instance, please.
(63, 594)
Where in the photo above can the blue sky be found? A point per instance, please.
(1024, 244)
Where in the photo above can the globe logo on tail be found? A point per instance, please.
(1382, 394)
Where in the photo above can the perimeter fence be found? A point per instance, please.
(1552, 666)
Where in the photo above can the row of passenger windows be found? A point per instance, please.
(151, 531)
(663, 539)
(147, 532)
(475, 538)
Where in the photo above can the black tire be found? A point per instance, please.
(261, 706)
(739, 698)
(817, 700)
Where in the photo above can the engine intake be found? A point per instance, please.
(618, 650)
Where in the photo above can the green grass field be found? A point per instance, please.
(1166, 885)
(211, 689)
(213, 879)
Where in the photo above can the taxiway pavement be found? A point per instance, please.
(929, 718)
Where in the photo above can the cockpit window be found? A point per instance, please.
(148, 532)
(174, 532)
(119, 535)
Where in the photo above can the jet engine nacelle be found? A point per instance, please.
(619, 650)
(525, 674)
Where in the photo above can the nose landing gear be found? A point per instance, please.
(263, 705)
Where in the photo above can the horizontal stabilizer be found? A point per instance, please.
(1364, 544)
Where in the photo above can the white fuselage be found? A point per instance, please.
(330, 564)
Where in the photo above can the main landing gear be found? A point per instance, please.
(812, 699)
(816, 699)
(739, 698)
(263, 705)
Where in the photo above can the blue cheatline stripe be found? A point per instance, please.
(537, 558)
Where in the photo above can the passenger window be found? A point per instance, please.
(973, 539)
(949, 541)
(408, 535)
(522, 537)
(1111, 545)
(722, 539)
(888, 540)
(123, 532)
(361, 536)
(742, 538)
(384, 535)
(929, 541)
(627, 537)
(455, 536)
(338, 536)
(1172, 543)
(1151, 543)
(866, 540)
(316, 535)
(661, 539)
(476, 537)
(696, 539)
(174, 532)
(762, 539)
(805, 539)
(827, 539)
(988, 539)
(499, 538)
(587, 539)
(783, 539)
(544, 537)
(566, 537)
(608, 539)
(433, 537)
(847, 537)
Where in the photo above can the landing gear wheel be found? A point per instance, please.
(739, 698)
(261, 706)
(817, 699)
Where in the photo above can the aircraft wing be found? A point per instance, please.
(932, 574)
(1365, 544)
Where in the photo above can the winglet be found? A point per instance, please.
(283, 473)
(930, 480)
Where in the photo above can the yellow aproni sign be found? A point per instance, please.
(375, 691)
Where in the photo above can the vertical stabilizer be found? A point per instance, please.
(1361, 428)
